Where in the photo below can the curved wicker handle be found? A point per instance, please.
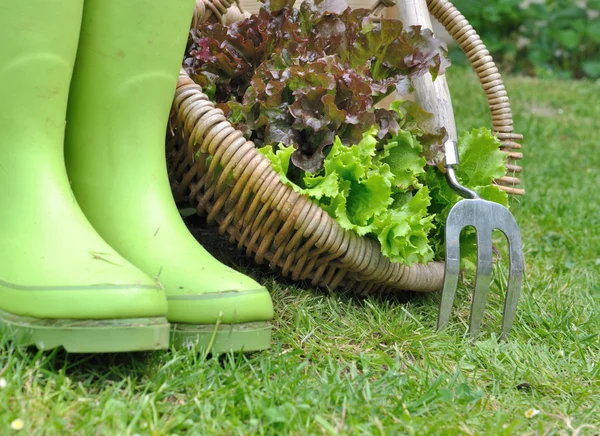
(491, 81)
(221, 9)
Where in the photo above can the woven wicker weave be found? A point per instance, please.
(237, 188)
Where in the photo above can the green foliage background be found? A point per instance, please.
(544, 38)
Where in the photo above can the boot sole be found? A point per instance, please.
(222, 338)
(88, 336)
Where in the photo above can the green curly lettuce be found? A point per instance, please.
(371, 193)
(388, 192)
(481, 161)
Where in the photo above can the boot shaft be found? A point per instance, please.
(37, 54)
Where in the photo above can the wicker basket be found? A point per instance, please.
(237, 188)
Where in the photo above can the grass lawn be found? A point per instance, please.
(376, 366)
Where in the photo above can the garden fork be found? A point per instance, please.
(483, 215)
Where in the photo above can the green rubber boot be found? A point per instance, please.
(60, 283)
(125, 76)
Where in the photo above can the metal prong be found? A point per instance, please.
(515, 274)
(482, 280)
(453, 230)
(484, 216)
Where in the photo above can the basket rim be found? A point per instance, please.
(257, 209)
(258, 191)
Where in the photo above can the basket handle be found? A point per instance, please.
(491, 81)
(221, 9)
(434, 96)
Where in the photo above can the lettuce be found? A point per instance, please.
(307, 77)
(403, 231)
(388, 192)
(481, 161)
(369, 192)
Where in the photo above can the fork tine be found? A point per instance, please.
(510, 229)
(453, 229)
(482, 280)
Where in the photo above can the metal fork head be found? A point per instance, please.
(484, 216)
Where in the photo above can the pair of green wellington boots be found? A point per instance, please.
(94, 256)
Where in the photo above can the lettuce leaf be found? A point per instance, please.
(369, 192)
(481, 161)
(307, 76)
(403, 155)
(403, 231)
(387, 192)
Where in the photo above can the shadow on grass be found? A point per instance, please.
(140, 367)
(99, 367)
(135, 368)
(226, 252)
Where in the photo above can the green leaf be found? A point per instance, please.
(352, 163)
(569, 38)
(493, 193)
(280, 159)
(403, 155)
(366, 192)
(356, 192)
(403, 231)
(316, 187)
(481, 160)
(338, 208)
(592, 68)
(593, 30)
(368, 198)
(322, 186)
(280, 163)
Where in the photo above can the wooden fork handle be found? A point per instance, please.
(433, 96)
